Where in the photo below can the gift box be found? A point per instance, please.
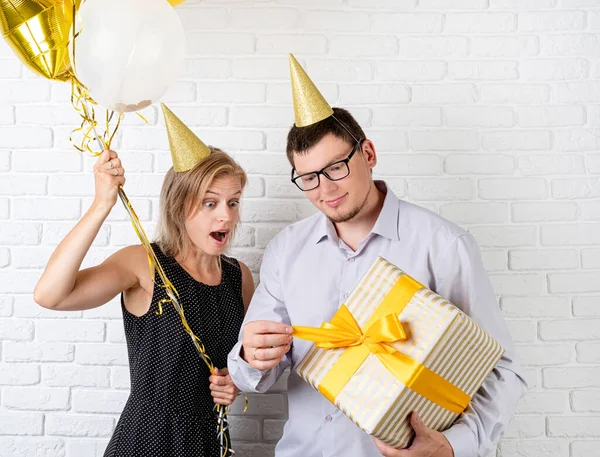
(395, 347)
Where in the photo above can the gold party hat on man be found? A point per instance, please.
(187, 150)
(310, 106)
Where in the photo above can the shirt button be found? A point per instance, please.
(328, 418)
(351, 260)
(346, 295)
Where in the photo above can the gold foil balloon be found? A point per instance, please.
(39, 31)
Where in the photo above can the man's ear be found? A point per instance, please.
(369, 153)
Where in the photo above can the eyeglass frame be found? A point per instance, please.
(322, 170)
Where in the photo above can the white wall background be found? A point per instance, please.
(487, 111)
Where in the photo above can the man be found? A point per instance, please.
(310, 268)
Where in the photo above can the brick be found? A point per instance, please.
(406, 71)
(585, 401)
(244, 429)
(407, 116)
(522, 331)
(543, 402)
(528, 307)
(411, 165)
(4, 211)
(573, 426)
(229, 141)
(97, 401)
(479, 164)
(224, 92)
(262, 68)
(374, 94)
(101, 354)
(4, 257)
(21, 424)
(515, 285)
(525, 427)
(120, 378)
(440, 189)
(38, 352)
(255, 450)
(515, 93)
(574, 282)
(76, 425)
(28, 398)
(593, 163)
(584, 448)
(49, 209)
(271, 211)
(47, 161)
(10, 69)
(23, 91)
(553, 69)
(545, 355)
(570, 234)
(204, 18)
(533, 448)
(334, 21)
(354, 46)
(296, 44)
(23, 185)
(32, 447)
(532, 140)
(407, 22)
(281, 188)
(206, 68)
(259, 116)
(46, 114)
(459, 4)
(448, 140)
(551, 21)
(578, 140)
(265, 234)
(588, 352)
(512, 188)
(573, 329)
(18, 282)
(180, 92)
(552, 116)
(475, 212)
(586, 306)
(273, 429)
(444, 94)
(18, 374)
(577, 45)
(575, 188)
(590, 259)
(339, 71)
(389, 140)
(504, 46)
(219, 44)
(544, 212)
(6, 306)
(70, 331)
(7, 116)
(482, 70)
(551, 164)
(494, 260)
(25, 137)
(479, 22)
(62, 375)
(16, 330)
(267, 164)
(576, 92)
(543, 260)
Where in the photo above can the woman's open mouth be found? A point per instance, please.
(220, 237)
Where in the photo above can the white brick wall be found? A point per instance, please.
(487, 111)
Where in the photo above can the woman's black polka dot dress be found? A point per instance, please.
(169, 412)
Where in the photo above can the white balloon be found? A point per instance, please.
(128, 52)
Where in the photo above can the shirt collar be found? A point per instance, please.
(386, 224)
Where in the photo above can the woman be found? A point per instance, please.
(170, 408)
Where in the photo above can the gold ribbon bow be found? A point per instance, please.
(344, 332)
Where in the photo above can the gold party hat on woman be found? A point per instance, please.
(187, 150)
(310, 106)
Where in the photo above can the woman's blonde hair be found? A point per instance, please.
(182, 194)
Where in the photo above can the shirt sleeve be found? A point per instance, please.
(462, 279)
(266, 304)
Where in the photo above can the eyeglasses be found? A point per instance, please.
(334, 172)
